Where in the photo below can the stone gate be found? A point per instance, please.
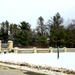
(6, 46)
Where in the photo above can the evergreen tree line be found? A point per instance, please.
(53, 33)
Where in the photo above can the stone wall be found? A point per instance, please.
(38, 50)
(34, 49)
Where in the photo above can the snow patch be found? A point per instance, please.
(66, 60)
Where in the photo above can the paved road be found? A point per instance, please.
(12, 71)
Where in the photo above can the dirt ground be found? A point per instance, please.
(13, 71)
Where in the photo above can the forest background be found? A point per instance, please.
(52, 33)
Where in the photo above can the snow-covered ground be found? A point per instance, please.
(66, 59)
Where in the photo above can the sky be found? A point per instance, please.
(16, 11)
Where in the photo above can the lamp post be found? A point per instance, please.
(58, 52)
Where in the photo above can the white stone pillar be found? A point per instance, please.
(35, 50)
(65, 49)
(51, 50)
(16, 50)
(10, 45)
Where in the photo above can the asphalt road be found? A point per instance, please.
(13, 71)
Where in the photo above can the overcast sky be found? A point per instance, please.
(16, 11)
